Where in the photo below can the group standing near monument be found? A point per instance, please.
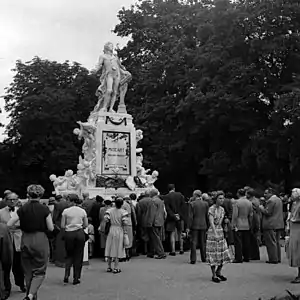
(149, 234)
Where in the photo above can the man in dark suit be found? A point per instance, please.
(155, 232)
(272, 225)
(175, 207)
(241, 223)
(94, 214)
(150, 215)
(198, 221)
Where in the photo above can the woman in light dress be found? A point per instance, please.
(114, 248)
(217, 252)
(293, 224)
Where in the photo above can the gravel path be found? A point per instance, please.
(170, 279)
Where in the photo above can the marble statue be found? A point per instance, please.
(66, 184)
(139, 137)
(151, 179)
(113, 80)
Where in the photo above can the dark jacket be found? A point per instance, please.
(59, 207)
(227, 205)
(272, 214)
(198, 215)
(145, 212)
(175, 204)
(159, 218)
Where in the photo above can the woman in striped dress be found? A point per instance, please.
(217, 252)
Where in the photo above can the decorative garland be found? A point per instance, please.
(116, 122)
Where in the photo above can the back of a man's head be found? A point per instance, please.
(153, 192)
(85, 195)
(197, 194)
(171, 187)
(132, 196)
(250, 193)
(99, 199)
(241, 193)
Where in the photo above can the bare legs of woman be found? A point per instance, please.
(216, 274)
(116, 269)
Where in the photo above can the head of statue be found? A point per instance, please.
(109, 47)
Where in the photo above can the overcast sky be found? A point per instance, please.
(60, 30)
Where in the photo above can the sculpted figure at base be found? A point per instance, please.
(65, 184)
(113, 80)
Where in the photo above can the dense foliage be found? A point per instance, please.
(216, 89)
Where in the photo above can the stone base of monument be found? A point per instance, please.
(103, 192)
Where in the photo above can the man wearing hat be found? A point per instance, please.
(197, 225)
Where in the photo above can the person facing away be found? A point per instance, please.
(87, 203)
(94, 215)
(198, 223)
(241, 222)
(6, 214)
(255, 228)
(74, 221)
(35, 220)
(155, 231)
(175, 205)
(115, 247)
(272, 225)
(6, 260)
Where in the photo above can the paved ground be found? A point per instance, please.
(170, 279)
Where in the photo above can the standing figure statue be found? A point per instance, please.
(113, 80)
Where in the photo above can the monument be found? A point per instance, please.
(111, 162)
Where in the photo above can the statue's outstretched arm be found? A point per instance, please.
(99, 65)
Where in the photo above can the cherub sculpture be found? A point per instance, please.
(151, 179)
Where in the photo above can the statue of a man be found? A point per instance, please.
(114, 78)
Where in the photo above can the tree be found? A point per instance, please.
(207, 75)
(44, 101)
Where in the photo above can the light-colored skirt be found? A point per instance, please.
(114, 247)
(293, 247)
(217, 252)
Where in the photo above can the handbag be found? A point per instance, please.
(125, 240)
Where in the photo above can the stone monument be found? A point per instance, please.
(111, 162)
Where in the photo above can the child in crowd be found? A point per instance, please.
(91, 240)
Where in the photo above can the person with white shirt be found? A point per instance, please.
(6, 214)
(74, 221)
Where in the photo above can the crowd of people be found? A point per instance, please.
(226, 229)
